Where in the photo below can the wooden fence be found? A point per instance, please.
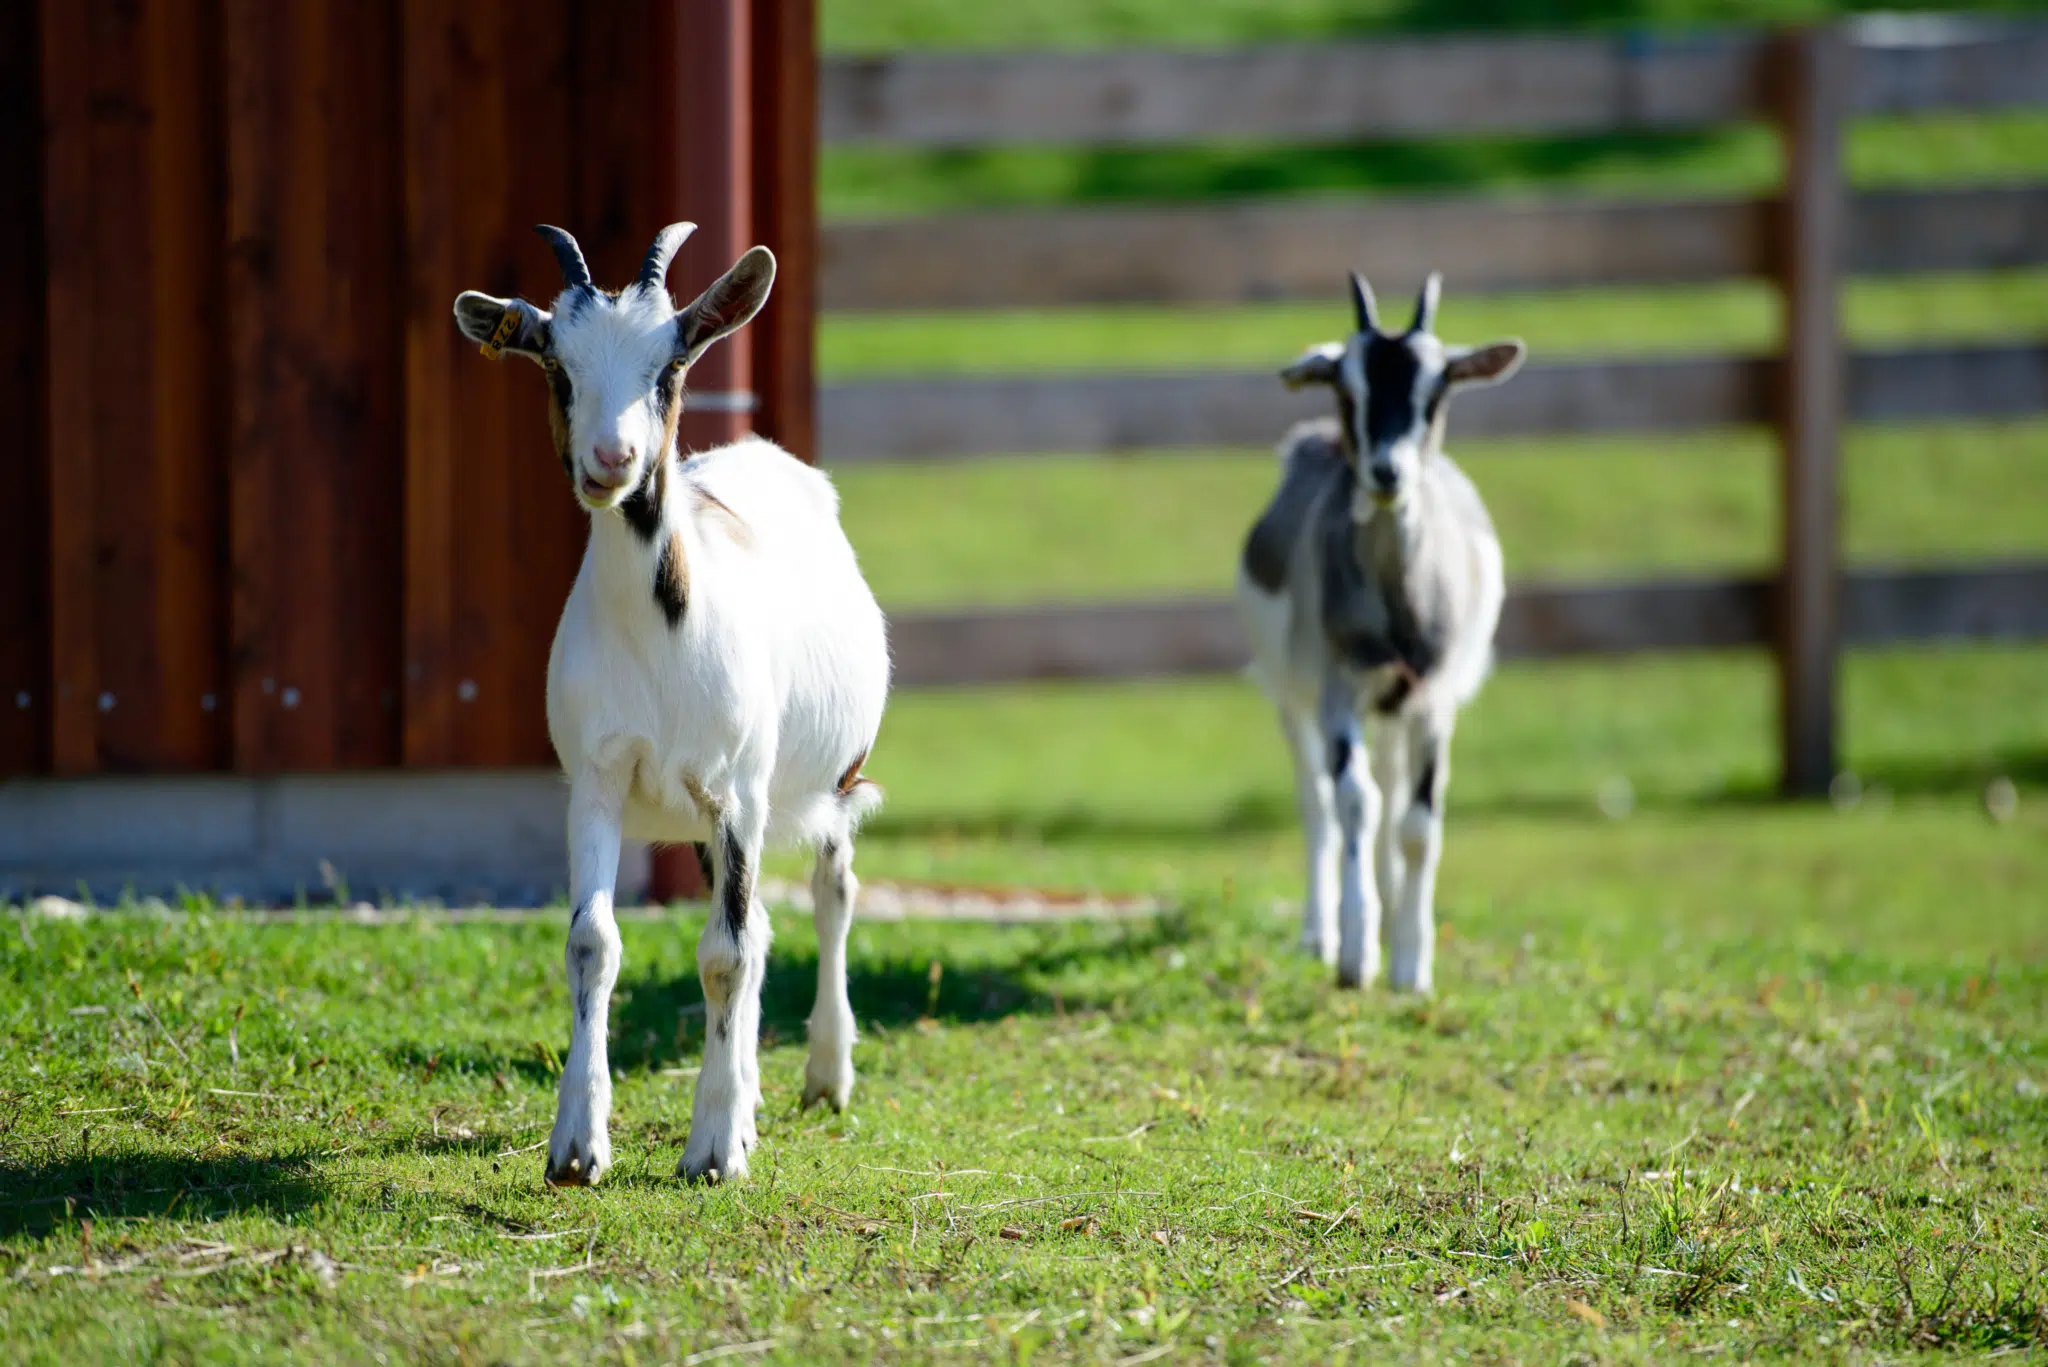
(1807, 84)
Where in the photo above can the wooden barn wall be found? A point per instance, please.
(274, 513)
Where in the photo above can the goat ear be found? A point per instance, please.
(501, 325)
(1318, 365)
(725, 308)
(1489, 364)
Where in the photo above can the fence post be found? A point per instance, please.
(1813, 69)
(786, 218)
(705, 71)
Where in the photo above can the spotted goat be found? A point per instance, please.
(1371, 587)
(717, 678)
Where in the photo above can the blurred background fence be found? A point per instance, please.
(283, 558)
(1807, 84)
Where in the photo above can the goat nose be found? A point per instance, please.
(612, 459)
(1385, 476)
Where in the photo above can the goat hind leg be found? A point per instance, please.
(828, 1073)
(1411, 945)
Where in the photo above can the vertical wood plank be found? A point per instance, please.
(252, 301)
(430, 359)
(67, 43)
(496, 251)
(186, 526)
(1814, 77)
(24, 378)
(544, 529)
(127, 260)
(360, 403)
(492, 147)
(316, 359)
(785, 170)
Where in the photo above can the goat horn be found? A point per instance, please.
(1361, 301)
(568, 255)
(654, 270)
(1425, 303)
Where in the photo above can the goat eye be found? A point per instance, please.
(550, 364)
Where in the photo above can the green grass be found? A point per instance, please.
(860, 182)
(1925, 309)
(884, 25)
(1029, 529)
(1734, 1079)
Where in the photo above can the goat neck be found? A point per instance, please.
(626, 541)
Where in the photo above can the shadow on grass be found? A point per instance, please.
(658, 1020)
(39, 1199)
(662, 1019)
(36, 1198)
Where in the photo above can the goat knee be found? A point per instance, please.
(1358, 803)
(1419, 826)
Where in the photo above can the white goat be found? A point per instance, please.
(718, 678)
(1372, 584)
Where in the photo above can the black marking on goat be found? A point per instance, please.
(1395, 693)
(1390, 372)
(1340, 754)
(576, 916)
(1425, 787)
(582, 955)
(672, 579)
(561, 393)
(703, 853)
(642, 507)
(738, 893)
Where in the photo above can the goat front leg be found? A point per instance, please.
(1412, 940)
(1358, 817)
(1314, 797)
(828, 1074)
(580, 1148)
(732, 960)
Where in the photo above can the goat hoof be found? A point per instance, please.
(576, 1169)
(711, 1170)
(714, 1163)
(1355, 979)
(831, 1094)
(1322, 953)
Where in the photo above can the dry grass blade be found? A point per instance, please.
(729, 1350)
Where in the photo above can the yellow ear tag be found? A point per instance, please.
(507, 325)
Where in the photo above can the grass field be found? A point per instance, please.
(1706, 1075)
(1712, 1077)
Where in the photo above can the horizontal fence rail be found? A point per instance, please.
(1158, 639)
(1328, 92)
(950, 417)
(1250, 252)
